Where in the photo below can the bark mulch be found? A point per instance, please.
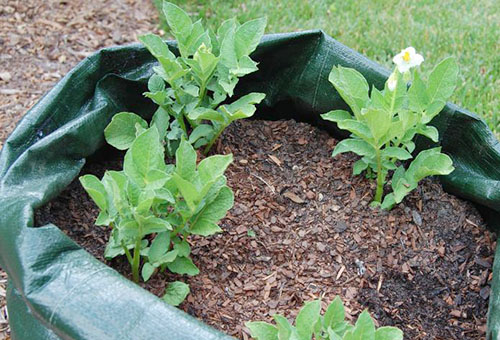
(302, 229)
(40, 41)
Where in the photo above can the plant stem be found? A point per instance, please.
(127, 253)
(380, 179)
(212, 141)
(136, 260)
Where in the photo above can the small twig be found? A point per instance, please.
(269, 185)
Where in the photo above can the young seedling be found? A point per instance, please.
(153, 207)
(383, 124)
(311, 324)
(191, 87)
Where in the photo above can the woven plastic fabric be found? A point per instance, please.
(58, 290)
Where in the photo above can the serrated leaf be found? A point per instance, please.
(183, 265)
(358, 146)
(120, 132)
(260, 330)
(96, 190)
(388, 333)
(307, 318)
(175, 293)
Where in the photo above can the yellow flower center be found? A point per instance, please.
(406, 56)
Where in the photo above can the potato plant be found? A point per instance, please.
(384, 124)
(310, 324)
(190, 88)
(153, 207)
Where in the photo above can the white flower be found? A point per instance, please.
(407, 59)
(392, 81)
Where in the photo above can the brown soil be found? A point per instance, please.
(425, 266)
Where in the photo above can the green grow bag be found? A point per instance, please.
(58, 290)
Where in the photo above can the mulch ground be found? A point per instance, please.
(302, 229)
(40, 41)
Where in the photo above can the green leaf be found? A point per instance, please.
(417, 95)
(364, 329)
(335, 313)
(352, 87)
(147, 152)
(178, 20)
(307, 318)
(183, 248)
(358, 146)
(204, 223)
(161, 119)
(430, 132)
(153, 224)
(156, 46)
(159, 246)
(208, 114)
(156, 83)
(378, 121)
(147, 271)
(187, 190)
(442, 80)
(248, 35)
(260, 330)
(388, 333)
(175, 293)
(120, 132)
(398, 153)
(336, 116)
(357, 128)
(201, 131)
(214, 166)
(96, 190)
(285, 329)
(183, 265)
(359, 166)
(228, 55)
(185, 158)
(244, 107)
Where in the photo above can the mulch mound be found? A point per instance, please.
(302, 229)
